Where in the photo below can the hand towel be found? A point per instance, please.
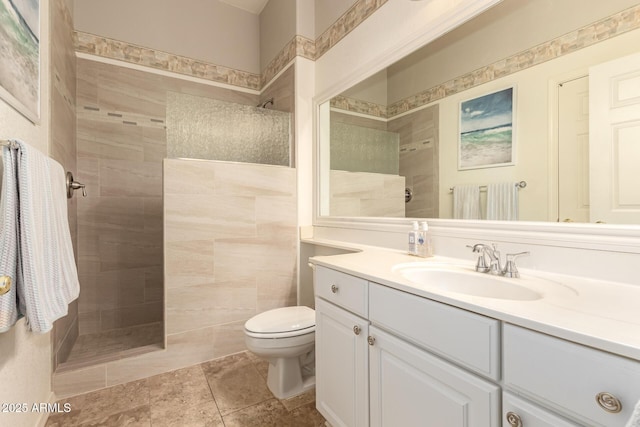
(466, 202)
(49, 279)
(634, 421)
(9, 239)
(502, 201)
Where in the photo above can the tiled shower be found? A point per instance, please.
(128, 122)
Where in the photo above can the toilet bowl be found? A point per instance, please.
(285, 337)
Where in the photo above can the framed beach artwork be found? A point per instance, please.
(487, 130)
(20, 56)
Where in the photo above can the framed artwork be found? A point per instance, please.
(20, 56)
(487, 130)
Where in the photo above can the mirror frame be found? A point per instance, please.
(612, 237)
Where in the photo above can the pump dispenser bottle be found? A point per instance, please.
(423, 243)
(413, 239)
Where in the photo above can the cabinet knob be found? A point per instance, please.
(371, 340)
(514, 419)
(334, 289)
(609, 402)
(356, 330)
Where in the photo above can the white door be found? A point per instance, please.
(342, 366)
(410, 387)
(614, 111)
(573, 151)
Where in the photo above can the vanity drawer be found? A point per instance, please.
(567, 377)
(529, 415)
(342, 289)
(466, 338)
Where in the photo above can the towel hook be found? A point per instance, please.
(74, 185)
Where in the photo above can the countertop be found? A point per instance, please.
(599, 314)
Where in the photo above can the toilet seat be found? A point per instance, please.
(282, 323)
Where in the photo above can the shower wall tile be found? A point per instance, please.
(231, 251)
(189, 263)
(62, 148)
(200, 306)
(79, 381)
(127, 178)
(153, 284)
(366, 194)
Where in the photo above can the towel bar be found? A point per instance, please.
(521, 184)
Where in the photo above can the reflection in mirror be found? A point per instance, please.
(399, 131)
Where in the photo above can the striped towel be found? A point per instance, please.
(49, 279)
(502, 201)
(8, 239)
(466, 202)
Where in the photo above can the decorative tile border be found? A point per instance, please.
(589, 35)
(114, 49)
(358, 106)
(298, 46)
(91, 112)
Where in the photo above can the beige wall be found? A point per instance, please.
(25, 358)
(328, 11)
(483, 41)
(277, 28)
(533, 127)
(210, 31)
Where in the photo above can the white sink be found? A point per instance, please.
(464, 280)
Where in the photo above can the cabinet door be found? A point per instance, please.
(342, 366)
(411, 387)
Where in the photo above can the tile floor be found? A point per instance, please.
(114, 344)
(226, 392)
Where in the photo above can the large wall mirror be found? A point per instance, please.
(515, 99)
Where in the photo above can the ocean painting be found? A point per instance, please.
(20, 55)
(486, 131)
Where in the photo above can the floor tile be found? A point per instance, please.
(270, 413)
(235, 383)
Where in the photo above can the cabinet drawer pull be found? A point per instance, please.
(371, 340)
(514, 419)
(609, 402)
(334, 289)
(356, 330)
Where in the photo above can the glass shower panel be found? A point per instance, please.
(205, 128)
(360, 149)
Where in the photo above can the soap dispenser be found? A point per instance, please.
(413, 239)
(423, 243)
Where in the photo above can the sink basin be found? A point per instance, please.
(469, 282)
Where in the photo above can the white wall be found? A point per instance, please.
(200, 29)
(25, 358)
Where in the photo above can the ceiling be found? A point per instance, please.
(253, 6)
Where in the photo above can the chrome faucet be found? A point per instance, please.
(510, 269)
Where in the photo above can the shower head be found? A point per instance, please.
(265, 103)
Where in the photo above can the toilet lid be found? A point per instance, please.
(281, 321)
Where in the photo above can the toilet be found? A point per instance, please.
(285, 337)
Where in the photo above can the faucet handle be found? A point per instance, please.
(510, 269)
(481, 264)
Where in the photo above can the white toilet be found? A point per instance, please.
(286, 338)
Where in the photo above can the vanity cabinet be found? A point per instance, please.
(588, 385)
(385, 357)
(342, 366)
(366, 375)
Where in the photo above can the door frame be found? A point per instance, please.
(554, 138)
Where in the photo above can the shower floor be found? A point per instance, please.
(112, 345)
